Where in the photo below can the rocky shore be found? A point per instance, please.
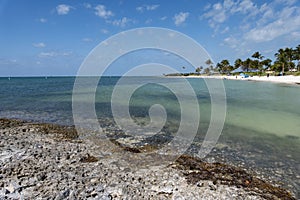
(44, 161)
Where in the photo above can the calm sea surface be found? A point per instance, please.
(261, 131)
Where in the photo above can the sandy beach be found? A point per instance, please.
(275, 79)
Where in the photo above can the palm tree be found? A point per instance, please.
(256, 64)
(296, 56)
(209, 64)
(224, 66)
(247, 64)
(289, 57)
(267, 63)
(281, 59)
(219, 67)
(207, 71)
(237, 63)
(198, 69)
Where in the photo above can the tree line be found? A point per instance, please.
(285, 61)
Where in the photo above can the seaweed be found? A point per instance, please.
(9, 123)
(61, 132)
(137, 149)
(195, 170)
(88, 159)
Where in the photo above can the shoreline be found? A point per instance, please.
(288, 79)
(46, 160)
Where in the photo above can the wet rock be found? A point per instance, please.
(49, 163)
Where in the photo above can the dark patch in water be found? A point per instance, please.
(292, 137)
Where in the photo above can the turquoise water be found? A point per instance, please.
(261, 131)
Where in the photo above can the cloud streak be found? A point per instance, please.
(275, 29)
(63, 9)
(53, 54)
(121, 22)
(180, 18)
(270, 20)
(102, 12)
(147, 8)
(39, 45)
(42, 20)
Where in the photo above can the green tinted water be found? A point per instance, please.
(262, 126)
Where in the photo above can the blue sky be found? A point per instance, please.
(53, 37)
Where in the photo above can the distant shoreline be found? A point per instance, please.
(288, 79)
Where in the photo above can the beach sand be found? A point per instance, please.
(275, 79)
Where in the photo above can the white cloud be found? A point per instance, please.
(220, 17)
(216, 15)
(104, 31)
(4, 61)
(180, 18)
(245, 7)
(87, 5)
(287, 21)
(248, 25)
(42, 20)
(228, 4)
(121, 22)
(148, 21)
(140, 9)
(274, 29)
(47, 54)
(219, 12)
(287, 12)
(207, 7)
(147, 7)
(65, 53)
(217, 6)
(295, 35)
(267, 13)
(163, 18)
(39, 45)
(286, 2)
(232, 42)
(87, 40)
(151, 7)
(53, 54)
(225, 30)
(63, 9)
(102, 12)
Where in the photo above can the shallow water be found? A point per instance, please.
(261, 130)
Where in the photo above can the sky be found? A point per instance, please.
(40, 38)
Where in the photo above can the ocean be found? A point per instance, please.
(261, 131)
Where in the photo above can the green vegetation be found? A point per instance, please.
(287, 62)
(284, 63)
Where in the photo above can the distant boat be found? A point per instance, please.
(9, 78)
(46, 77)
